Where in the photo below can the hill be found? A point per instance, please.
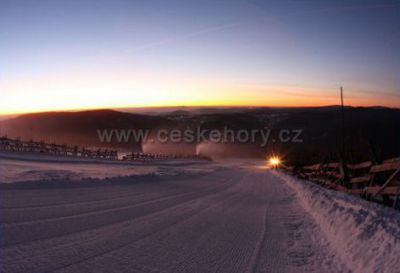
(370, 132)
(78, 128)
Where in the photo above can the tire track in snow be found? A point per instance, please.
(109, 251)
(32, 231)
(35, 196)
(259, 245)
(10, 254)
(86, 264)
(177, 209)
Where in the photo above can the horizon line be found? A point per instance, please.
(124, 109)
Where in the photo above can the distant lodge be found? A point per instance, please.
(17, 145)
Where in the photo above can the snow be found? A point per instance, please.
(190, 217)
(22, 167)
(365, 235)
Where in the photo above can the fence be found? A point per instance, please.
(379, 183)
(156, 157)
(16, 145)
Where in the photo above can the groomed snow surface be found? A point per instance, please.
(24, 167)
(185, 217)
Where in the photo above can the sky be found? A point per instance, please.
(71, 55)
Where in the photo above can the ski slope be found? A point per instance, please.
(231, 218)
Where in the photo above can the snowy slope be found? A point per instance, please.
(223, 217)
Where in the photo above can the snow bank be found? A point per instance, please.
(22, 168)
(16, 171)
(366, 236)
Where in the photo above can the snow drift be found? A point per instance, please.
(365, 235)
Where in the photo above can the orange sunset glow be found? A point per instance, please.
(118, 92)
(233, 55)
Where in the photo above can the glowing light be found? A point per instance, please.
(274, 161)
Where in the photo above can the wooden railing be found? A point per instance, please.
(156, 157)
(17, 145)
(379, 182)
